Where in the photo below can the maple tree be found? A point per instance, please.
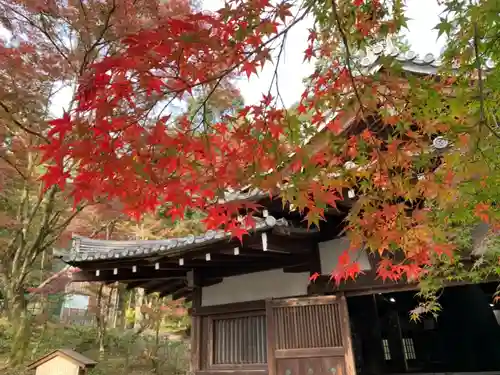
(404, 189)
(47, 48)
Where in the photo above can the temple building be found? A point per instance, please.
(256, 312)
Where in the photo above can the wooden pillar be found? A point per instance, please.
(315, 288)
(347, 338)
(196, 324)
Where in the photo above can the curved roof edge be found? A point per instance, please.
(85, 249)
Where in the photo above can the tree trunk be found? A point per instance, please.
(154, 354)
(100, 319)
(139, 301)
(18, 315)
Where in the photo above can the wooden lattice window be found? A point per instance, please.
(409, 348)
(239, 339)
(387, 350)
(308, 326)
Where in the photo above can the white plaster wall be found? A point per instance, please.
(256, 286)
(329, 252)
(58, 366)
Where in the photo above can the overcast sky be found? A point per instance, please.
(423, 14)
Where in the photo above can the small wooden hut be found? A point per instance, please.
(62, 362)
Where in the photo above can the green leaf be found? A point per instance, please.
(443, 27)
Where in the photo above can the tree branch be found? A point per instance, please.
(347, 55)
(19, 124)
(99, 38)
(480, 88)
(45, 33)
(13, 166)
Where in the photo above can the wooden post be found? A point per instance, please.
(196, 324)
(271, 342)
(350, 365)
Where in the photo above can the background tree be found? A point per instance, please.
(47, 49)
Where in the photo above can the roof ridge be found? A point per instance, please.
(411, 60)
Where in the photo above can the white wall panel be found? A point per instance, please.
(256, 286)
(329, 252)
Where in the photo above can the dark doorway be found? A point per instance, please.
(465, 337)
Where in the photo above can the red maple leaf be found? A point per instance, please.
(55, 175)
(413, 271)
(175, 213)
(309, 54)
(301, 108)
(314, 276)
(60, 126)
(335, 125)
(238, 232)
(344, 258)
(336, 276)
(352, 270)
(481, 211)
(249, 68)
(385, 270)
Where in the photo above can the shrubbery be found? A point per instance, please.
(126, 353)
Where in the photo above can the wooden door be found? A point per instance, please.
(309, 336)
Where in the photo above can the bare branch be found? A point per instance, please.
(3, 157)
(347, 54)
(44, 31)
(19, 124)
(99, 38)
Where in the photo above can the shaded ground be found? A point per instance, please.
(125, 354)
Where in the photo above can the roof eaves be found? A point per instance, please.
(75, 356)
(87, 249)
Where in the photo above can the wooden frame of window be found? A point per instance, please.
(210, 342)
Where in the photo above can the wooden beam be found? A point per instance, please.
(282, 243)
(230, 307)
(109, 264)
(304, 267)
(239, 258)
(155, 285)
(324, 285)
(247, 252)
(134, 284)
(210, 282)
(226, 271)
(171, 288)
(182, 292)
(125, 275)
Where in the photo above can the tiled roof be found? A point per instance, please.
(79, 358)
(410, 60)
(87, 249)
(247, 194)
